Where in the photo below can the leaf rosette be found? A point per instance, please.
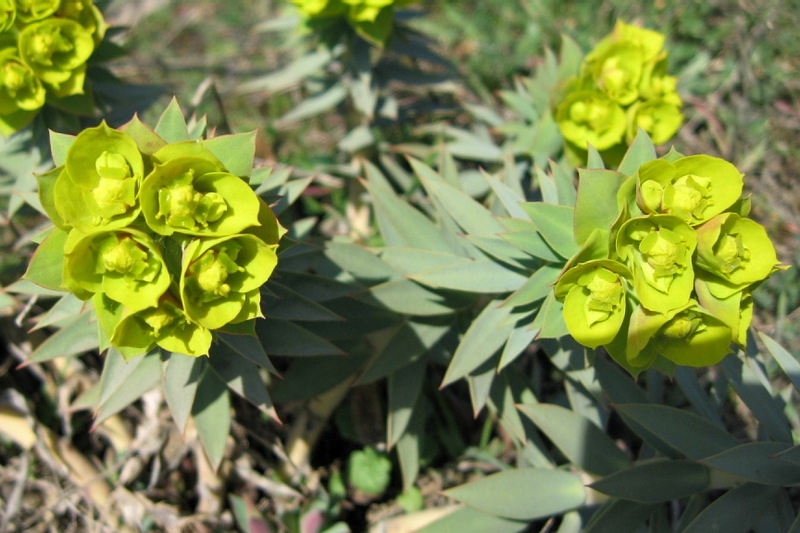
(126, 265)
(694, 188)
(21, 92)
(689, 336)
(56, 50)
(736, 251)
(166, 325)
(221, 278)
(658, 250)
(591, 117)
(194, 196)
(99, 184)
(594, 299)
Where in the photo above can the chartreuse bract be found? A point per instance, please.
(167, 243)
(622, 86)
(665, 270)
(371, 19)
(44, 49)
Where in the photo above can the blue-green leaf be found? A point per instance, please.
(689, 434)
(555, 223)
(583, 443)
(483, 338)
(212, 415)
(787, 361)
(639, 152)
(596, 205)
(484, 276)
(47, 263)
(656, 481)
(171, 125)
(181, 374)
(759, 462)
(536, 493)
(735, 511)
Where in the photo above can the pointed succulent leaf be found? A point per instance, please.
(47, 263)
(596, 205)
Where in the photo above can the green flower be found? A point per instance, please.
(21, 93)
(689, 336)
(660, 119)
(57, 50)
(8, 13)
(594, 300)
(366, 10)
(85, 13)
(126, 265)
(617, 70)
(166, 326)
(736, 250)
(657, 85)
(320, 8)
(589, 117)
(694, 188)
(98, 188)
(221, 278)
(736, 310)
(193, 196)
(649, 42)
(32, 10)
(658, 249)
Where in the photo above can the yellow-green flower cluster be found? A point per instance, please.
(673, 275)
(622, 86)
(44, 46)
(165, 241)
(372, 19)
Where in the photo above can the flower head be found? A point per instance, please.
(590, 117)
(32, 10)
(20, 89)
(99, 185)
(56, 49)
(221, 278)
(736, 251)
(594, 300)
(689, 336)
(166, 326)
(694, 188)
(658, 249)
(125, 265)
(8, 13)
